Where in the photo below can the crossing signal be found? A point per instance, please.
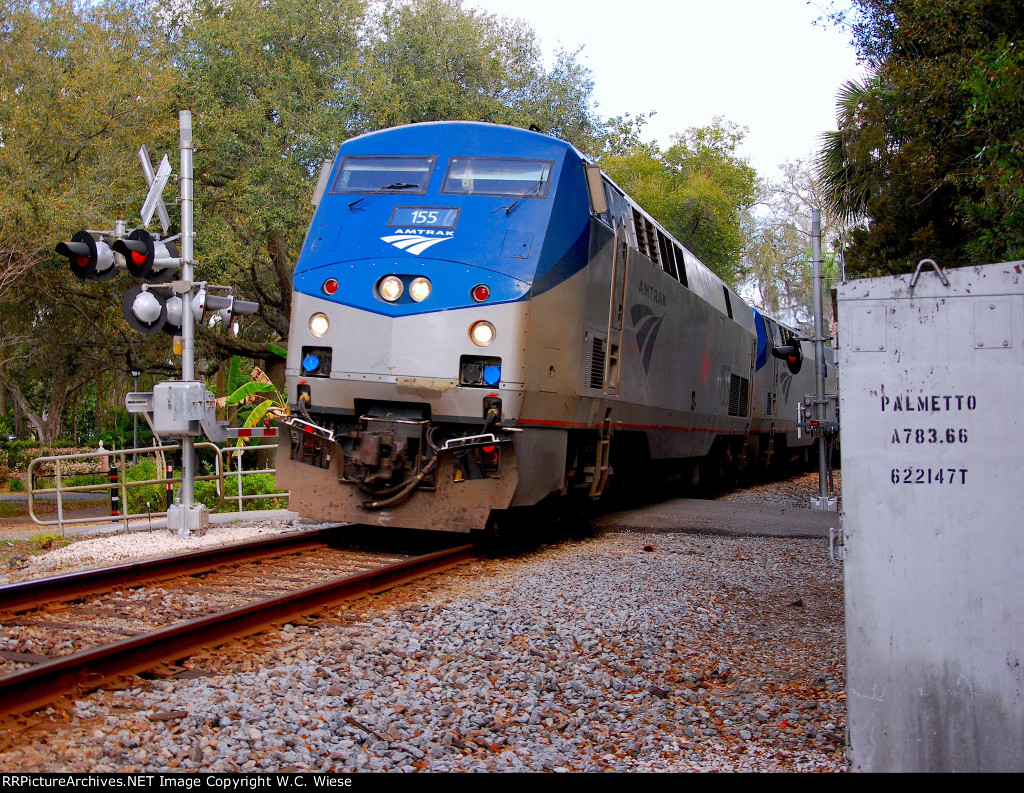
(147, 257)
(90, 259)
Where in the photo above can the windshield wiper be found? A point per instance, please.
(534, 189)
(384, 189)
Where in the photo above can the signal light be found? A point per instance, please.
(144, 310)
(173, 324)
(330, 286)
(480, 292)
(146, 257)
(90, 259)
(791, 354)
(226, 307)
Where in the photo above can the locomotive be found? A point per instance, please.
(482, 320)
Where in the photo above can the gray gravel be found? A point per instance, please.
(623, 651)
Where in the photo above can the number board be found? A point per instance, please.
(425, 217)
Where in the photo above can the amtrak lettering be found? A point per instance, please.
(646, 325)
(426, 232)
(653, 294)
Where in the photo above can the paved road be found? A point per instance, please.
(732, 518)
(76, 495)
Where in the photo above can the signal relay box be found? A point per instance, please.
(932, 372)
(179, 409)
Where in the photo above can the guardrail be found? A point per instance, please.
(238, 452)
(116, 488)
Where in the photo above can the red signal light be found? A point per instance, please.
(330, 286)
(480, 292)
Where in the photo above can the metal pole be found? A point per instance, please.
(187, 329)
(819, 354)
(135, 420)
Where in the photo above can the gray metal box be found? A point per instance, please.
(930, 393)
(178, 406)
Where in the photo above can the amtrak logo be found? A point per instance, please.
(786, 381)
(647, 326)
(413, 243)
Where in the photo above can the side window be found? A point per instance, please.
(681, 267)
(668, 258)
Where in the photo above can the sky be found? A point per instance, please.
(762, 64)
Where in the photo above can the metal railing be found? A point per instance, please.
(54, 468)
(238, 452)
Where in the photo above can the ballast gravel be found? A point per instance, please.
(617, 651)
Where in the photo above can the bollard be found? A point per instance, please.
(115, 499)
(170, 474)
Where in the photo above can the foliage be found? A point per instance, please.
(436, 59)
(778, 262)
(699, 189)
(930, 146)
(82, 86)
(260, 396)
(47, 541)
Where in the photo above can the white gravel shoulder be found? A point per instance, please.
(118, 548)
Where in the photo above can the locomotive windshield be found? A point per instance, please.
(383, 174)
(500, 177)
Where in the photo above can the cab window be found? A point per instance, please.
(383, 174)
(513, 178)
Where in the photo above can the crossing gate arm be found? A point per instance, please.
(252, 432)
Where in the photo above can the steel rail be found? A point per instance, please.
(27, 594)
(40, 685)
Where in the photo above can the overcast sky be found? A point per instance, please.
(762, 64)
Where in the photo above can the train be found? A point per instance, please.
(482, 321)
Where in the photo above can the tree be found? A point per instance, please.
(434, 59)
(778, 263)
(80, 89)
(698, 189)
(929, 149)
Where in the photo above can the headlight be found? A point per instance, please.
(390, 288)
(419, 289)
(318, 325)
(481, 333)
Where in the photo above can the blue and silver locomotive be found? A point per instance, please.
(481, 320)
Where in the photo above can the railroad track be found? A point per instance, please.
(222, 593)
